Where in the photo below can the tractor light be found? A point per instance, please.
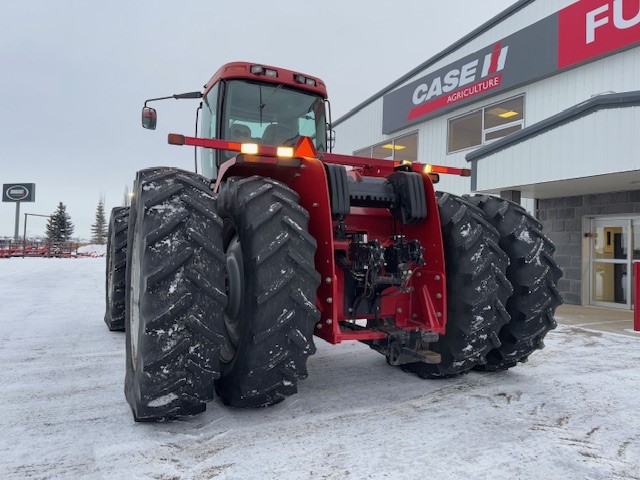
(235, 69)
(305, 80)
(260, 70)
(403, 166)
(249, 148)
(462, 172)
(176, 139)
(285, 152)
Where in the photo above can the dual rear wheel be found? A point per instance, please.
(217, 294)
(501, 286)
(534, 275)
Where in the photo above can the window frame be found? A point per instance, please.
(319, 121)
(484, 131)
(393, 142)
(206, 154)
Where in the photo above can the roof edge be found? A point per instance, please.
(466, 39)
(599, 102)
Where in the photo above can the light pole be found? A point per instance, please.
(24, 233)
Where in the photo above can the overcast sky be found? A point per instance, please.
(75, 74)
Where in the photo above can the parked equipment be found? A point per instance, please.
(231, 271)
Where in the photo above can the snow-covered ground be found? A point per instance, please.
(570, 413)
(93, 250)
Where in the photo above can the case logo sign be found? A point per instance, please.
(497, 67)
(466, 76)
(19, 192)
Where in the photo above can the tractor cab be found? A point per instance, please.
(257, 104)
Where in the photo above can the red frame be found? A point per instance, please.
(422, 309)
(241, 70)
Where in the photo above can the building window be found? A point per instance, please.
(486, 125)
(465, 132)
(400, 148)
(365, 152)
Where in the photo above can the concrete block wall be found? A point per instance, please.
(562, 219)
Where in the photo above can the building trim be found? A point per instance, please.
(594, 104)
(520, 4)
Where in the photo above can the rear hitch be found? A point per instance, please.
(372, 267)
(401, 346)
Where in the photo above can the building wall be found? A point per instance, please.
(596, 144)
(361, 130)
(365, 127)
(544, 98)
(562, 221)
(532, 13)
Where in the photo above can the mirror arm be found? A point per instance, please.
(177, 96)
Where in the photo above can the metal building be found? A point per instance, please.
(543, 103)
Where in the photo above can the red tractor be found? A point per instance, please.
(221, 278)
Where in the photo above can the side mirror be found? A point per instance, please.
(149, 118)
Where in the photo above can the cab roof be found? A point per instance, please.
(265, 73)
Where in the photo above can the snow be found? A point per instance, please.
(164, 400)
(93, 250)
(524, 236)
(466, 230)
(569, 413)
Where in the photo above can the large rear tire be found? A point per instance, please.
(272, 284)
(534, 275)
(116, 268)
(477, 290)
(175, 295)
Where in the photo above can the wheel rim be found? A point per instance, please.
(134, 302)
(235, 295)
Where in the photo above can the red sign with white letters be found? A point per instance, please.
(590, 28)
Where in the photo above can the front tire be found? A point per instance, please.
(272, 284)
(175, 295)
(116, 268)
(477, 289)
(534, 275)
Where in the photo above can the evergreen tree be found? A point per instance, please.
(99, 228)
(59, 226)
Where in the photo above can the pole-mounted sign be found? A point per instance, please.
(17, 193)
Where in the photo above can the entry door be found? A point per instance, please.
(611, 263)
